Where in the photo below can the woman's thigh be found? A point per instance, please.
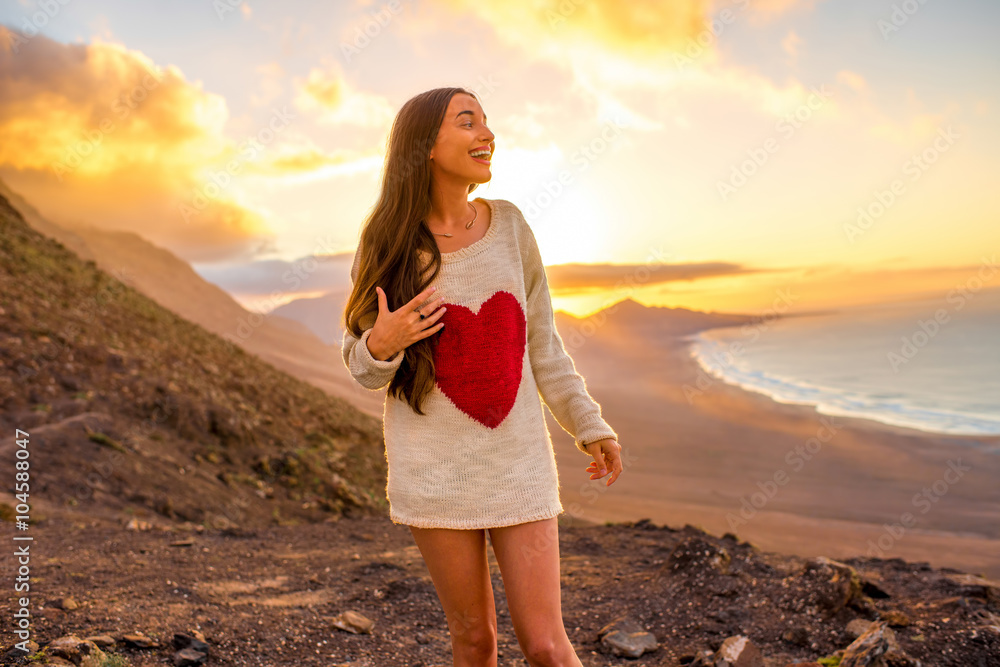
(460, 570)
(528, 556)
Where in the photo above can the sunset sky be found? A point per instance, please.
(717, 153)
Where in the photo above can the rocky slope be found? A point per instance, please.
(129, 406)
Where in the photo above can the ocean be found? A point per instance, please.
(932, 364)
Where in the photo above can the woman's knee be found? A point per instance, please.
(546, 649)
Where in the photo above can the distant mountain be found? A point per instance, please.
(629, 318)
(124, 406)
(321, 315)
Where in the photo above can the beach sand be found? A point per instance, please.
(839, 486)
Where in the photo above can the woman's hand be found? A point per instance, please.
(607, 458)
(396, 330)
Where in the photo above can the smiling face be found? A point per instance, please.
(463, 132)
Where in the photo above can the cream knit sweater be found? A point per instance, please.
(482, 455)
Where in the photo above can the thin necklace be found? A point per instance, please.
(469, 224)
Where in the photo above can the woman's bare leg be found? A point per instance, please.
(458, 566)
(528, 556)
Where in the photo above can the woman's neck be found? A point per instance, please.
(450, 209)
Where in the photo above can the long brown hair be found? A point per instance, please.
(394, 232)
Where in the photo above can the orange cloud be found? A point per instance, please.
(310, 159)
(579, 277)
(644, 26)
(328, 93)
(638, 30)
(98, 134)
(322, 89)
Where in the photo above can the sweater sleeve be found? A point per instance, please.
(561, 387)
(370, 373)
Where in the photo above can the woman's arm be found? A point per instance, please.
(370, 373)
(562, 388)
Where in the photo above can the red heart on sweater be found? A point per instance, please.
(479, 356)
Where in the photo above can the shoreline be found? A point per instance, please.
(703, 456)
(692, 340)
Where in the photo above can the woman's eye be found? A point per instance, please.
(469, 124)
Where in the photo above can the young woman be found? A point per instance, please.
(450, 307)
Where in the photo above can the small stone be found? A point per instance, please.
(101, 640)
(188, 657)
(738, 651)
(972, 585)
(139, 640)
(869, 647)
(836, 585)
(630, 644)
(79, 652)
(625, 637)
(194, 641)
(353, 622)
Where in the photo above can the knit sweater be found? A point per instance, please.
(482, 454)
